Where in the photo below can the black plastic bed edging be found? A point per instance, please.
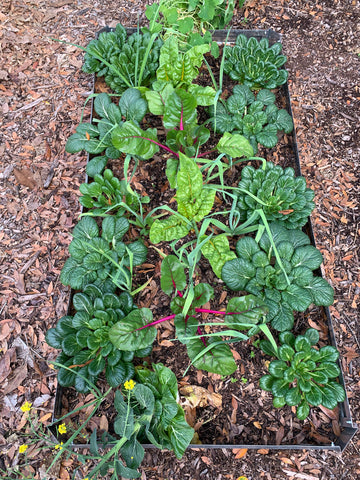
(348, 428)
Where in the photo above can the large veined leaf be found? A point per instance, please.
(130, 139)
(132, 105)
(157, 99)
(189, 180)
(218, 359)
(204, 95)
(199, 207)
(235, 145)
(245, 310)
(172, 275)
(129, 335)
(172, 228)
(180, 109)
(86, 228)
(217, 251)
(321, 292)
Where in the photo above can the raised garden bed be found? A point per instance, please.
(234, 412)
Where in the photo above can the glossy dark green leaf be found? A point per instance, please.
(286, 353)
(277, 368)
(266, 382)
(303, 410)
(293, 396)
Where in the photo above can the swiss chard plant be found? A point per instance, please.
(256, 117)
(303, 375)
(281, 195)
(102, 258)
(255, 63)
(83, 338)
(124, 61)
(279, 268)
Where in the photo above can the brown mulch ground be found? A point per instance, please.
(42, 92)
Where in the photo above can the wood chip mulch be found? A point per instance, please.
(42, 94)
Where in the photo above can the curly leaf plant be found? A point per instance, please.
(279, 269)
(86, 345)
(255, 64)
(124, 61)
(257, 118)
(303, 375)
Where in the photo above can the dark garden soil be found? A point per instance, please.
(42, 92)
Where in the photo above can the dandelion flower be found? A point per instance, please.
(23, 448)
(129, 384)
(62, 428)
(26, 407)
(59, 446)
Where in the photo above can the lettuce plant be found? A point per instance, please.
(84, 340)
(102, 258)
(303, 375)
(277, 192)
(123, 61)
(255, 63)
(279, 268)
(257, 118)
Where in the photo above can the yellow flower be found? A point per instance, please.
(26, 407)
(129, 384)
(85, 478)
(59, 446)
(62, 428)
(23, 448)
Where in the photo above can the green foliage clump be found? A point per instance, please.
(303, 375)
(123, 61)
(85, 342)
(255, 63)
(282, 277)
(257, 118)
(102, 258)
(281, 196)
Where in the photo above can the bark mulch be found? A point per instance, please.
(42, 93)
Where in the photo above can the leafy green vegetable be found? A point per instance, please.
(255, 63)
(255, 117)
(98, 258)
(98, 138)
(106, 193)
(285, 288)
(123, 61)
(303, 375)
(84, 339)
(194, 201)
(282, 196)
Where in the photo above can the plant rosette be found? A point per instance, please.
(303, 375)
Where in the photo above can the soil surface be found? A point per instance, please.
(42, 93)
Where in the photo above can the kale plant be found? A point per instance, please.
(255, 117)
(281, 196)
(303, 375)
(279, 269)
(123, 61)
(255, 63)
(84, 340)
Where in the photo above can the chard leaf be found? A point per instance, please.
(189, 180)
(158, 99)
(172, 228)
(172, 168)
(235, 146)
(172, 275)
(204, 96)
(130, 139)
(218, 359)
(217, 251)
(180, 109)
(128, 335)
(247, 309)
(199, 208)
